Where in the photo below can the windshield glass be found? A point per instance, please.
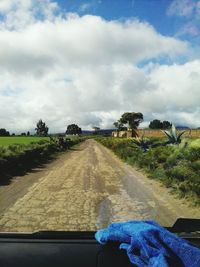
(99, 113)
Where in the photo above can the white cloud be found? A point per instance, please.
(183, 8)
(85, 7)
(17, 14)
(83, 41)
(188, 29)
(189, 10)
(177, 94)
(65, 68)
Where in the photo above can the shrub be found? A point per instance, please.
(177, 167)
(20, 156)
(192, 153)
(180, 172)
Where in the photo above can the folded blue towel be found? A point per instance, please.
(149, 244)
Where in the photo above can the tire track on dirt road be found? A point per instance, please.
(86, 189)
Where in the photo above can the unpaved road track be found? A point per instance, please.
(85, 189)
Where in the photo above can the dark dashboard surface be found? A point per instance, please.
(27, 252)
(59, 249)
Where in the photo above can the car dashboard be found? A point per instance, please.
(73, 249)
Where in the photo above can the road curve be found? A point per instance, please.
(86, 189)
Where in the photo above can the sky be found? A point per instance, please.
(87, 62)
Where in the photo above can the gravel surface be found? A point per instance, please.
(86, 189)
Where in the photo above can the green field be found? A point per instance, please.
(6, 141)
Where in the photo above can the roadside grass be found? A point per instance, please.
(194, 142)
(11, 140)
(176, 166)
(17, 159)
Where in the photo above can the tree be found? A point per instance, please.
(73, 129)
(133, 119)
(119, 125)
(3, 132)
(156, 124)
(166, 125)
(23, 134)
(96, 129)
(41, 128)
(28, 133)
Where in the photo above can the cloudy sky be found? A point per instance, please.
(89, 61)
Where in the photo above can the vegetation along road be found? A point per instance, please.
(85, 189)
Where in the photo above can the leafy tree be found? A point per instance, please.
(3, 132)
(133, 119)
(23, 134)
(156, 124)
(119, 126)
(28, 133)
(73, 129)
(96, 129)
(41, 128)
(166, 125)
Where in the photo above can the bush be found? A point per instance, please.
(21, 156)
(180, 172)
(177, 167)
(192, 153)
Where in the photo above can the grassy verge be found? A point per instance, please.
(176, 166)
(17, 159)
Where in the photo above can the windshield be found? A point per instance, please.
(99, 113)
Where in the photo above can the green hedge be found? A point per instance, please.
(176, 166)
(23, 156)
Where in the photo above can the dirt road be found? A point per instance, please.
(85, 189)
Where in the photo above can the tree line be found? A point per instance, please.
(131, 121)
(42, 130)
(128, 120)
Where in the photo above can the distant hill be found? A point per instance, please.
(86, 132)
(182, 127)
(100, 132)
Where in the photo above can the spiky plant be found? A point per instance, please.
(173, 136)
(142, 142)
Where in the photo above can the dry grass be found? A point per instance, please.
(195, 133)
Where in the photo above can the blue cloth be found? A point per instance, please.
(149, 244)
